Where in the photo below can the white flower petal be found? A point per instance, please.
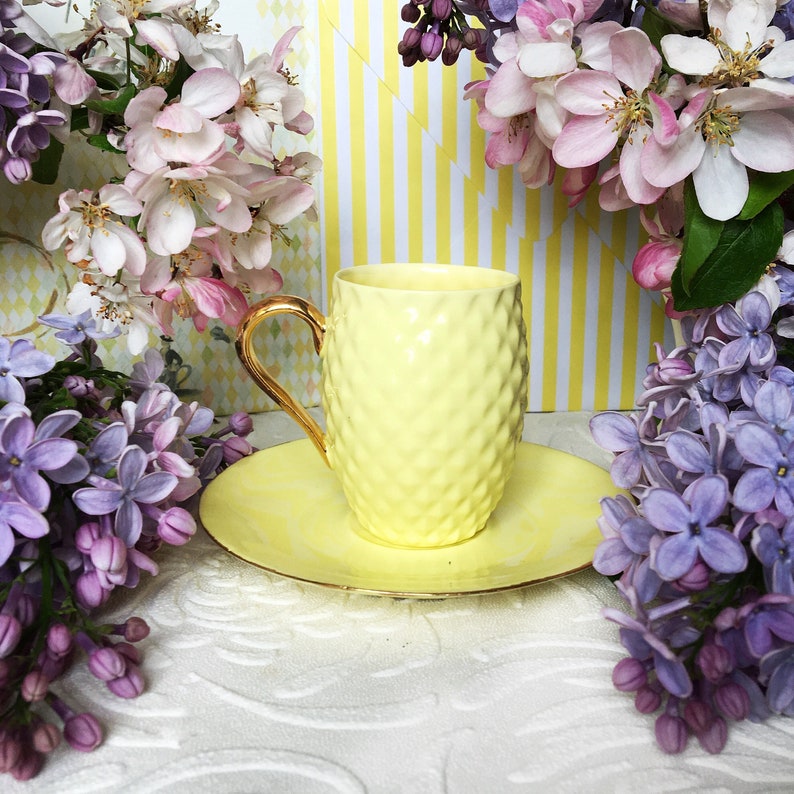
(765, 142)
(779, 62)
(546, 59)
(690, 55)
(721, 183)
(211, 92)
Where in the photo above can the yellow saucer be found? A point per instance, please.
(283, 510)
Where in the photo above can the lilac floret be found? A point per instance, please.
(21, 459)
(692, 533)
(75, 329)
(122, 497)
(20, 359)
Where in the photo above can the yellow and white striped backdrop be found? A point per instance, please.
(404, 180)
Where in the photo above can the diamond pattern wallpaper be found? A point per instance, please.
(199, 366)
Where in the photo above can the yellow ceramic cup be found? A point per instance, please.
(423, 388)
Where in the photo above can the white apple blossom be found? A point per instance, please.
(89, 224)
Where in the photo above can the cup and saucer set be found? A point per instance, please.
(420, 486)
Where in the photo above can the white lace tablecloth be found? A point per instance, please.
(256, 683)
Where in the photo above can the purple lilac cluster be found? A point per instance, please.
(704, 552)
(440, 28)
(97, 471)
(25, 118)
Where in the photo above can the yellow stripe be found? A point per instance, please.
(449, 119)
(330, 144)
(551, 323)
(443, 213)
(361, 30)
(392, 63)
(498, 240)
(478, 141)
(358, 160)
(630, 343)
(420, 83)
(387, 175)
(471, 224)
(415, 198)
(606, 307)
(578, 313)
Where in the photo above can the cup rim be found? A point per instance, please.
(502, 279)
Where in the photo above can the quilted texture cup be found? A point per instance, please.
(423, 389)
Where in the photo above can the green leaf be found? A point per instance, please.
(102, 142)
(744, 251)
(79, 120)
(104, 81)
(45, 169)
(181, 73)
(764, 189)
(701, 235)
(115, 106)
(655, 25)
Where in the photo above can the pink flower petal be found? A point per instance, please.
(584, 140)
(210, 92)
(509, 92)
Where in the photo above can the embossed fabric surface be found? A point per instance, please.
(256, 683)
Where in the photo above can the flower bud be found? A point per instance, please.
(451, 51)
(77, 385)
(129, 652)
(241, 423)
(83, 732)
(35, 686)
(107, 664)
(698, 716)
(647, 700)
(235, 448)
(715, 661)
(176, 526)
(89, 591)
(135, 629)
(696, 579)
(431, 45)
(472, 38)
(86, 535)
(10, 631)
(441, 9)
(130, 685)
(17, 170)
(412, 38)
(109, 554)
(10, 752)
(713, 739)
(410, 13)
(59, 640)
(46, 737)
(28, 765)
(670, 370)
(671, 733)
(732, 700)
(26, 611)
(629, 675)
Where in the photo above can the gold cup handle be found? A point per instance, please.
(269, 307)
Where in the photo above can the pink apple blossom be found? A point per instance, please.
(183, 131)
(177, 200)
(610, 109)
